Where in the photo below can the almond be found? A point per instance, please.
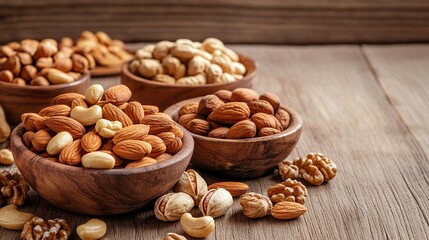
(61, 123)
(158, 123)
(158, 145)
(267, 131)
(41, 139)
(79, 102)
(288, 210)
(146, 161)
(72, 154)
(107, 145)
(208, 104)
(135, 111)
(91, 141)
(40, 123)
(66, 98)
(149, 109)
(273, 99)
(244, 95)
(123, 106)
(283, 117)
(133, 132)
(118, 160)
(262, 106)
(243, 129)
(230, 113)
(219, 132)
(224, 95)
(113, 113)
(118, 94)
(186, 118)
(163, 157)
(199, 126)
(235, 188)
(55, 110)
(28, 120)
(265, 120)
(26, 138)
(188, 108)
(177, 131)
(132, 149)
(173, 144)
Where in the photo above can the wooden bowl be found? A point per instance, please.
(17, 100)
(98, 192)
(242, 158)
(164, 95)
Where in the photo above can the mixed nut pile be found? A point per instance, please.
(242, 113)
(101, 130)
(185, 62)
(43, 63)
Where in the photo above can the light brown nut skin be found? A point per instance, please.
(208, 104)
(235, 188)
(316, 169)
(255, 205)
(242, 129)
(188, 108)
(289, 190)
(288, 210)
(244, 95)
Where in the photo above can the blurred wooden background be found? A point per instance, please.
(234, 21)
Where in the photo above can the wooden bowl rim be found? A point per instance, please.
(295, 125)
(251, 64)
(85, 76)
(187, 149)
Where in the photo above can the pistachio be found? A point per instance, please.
(171, 206)
(216, 202)
(191, 183)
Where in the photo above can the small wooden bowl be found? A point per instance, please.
(164, 95)
(17, 100)
(242, 158)
(98, 192)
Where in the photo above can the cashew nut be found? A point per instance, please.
(6, 157)
(93, 229)
(59, 142)
(94, 93)
(98, 160)
(13, 219)
(106, 128)
(4, 126)
(197, 227)
(87, 116)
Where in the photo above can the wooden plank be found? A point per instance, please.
(237, 21)
(378, 191)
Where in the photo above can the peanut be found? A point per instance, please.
(98, 160)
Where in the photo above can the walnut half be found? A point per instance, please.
(289, 190)
(315, 168)
(38, 229)
(13, 189)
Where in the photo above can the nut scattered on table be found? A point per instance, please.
(185, 62)
(239, 114)
(101, 130)
(12, 218)
(14, 189)
(30, 62)
(216, 202)
(255, 205)
(316, 169)
(174, 236)
(6, 157)
(171, 206)
(192, 184)
(91, 230)
(4, 126)
(53, 229)
(235, 188)
(197, 227)
(288, 170)
(288, 210)
(289, 190)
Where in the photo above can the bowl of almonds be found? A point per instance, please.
(100, 153)
(33, 72)
(239, 133)
(166, 72)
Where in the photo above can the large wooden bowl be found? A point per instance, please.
(164, 95)
(17, 100)
(242, 158)
(98, 192)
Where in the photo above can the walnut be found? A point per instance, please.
(288, 170)
(13, 190)
(316, 168)
(255, 205)
(38, 229)
(289, 190)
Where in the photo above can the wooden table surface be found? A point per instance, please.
(365, 107)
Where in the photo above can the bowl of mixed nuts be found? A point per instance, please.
(100, 153)
(164, 73)
(33, 72)
(239, 133)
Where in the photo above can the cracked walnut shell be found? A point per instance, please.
(38, 229)
(289, 190)
(316, 168)
(13, 190)
(288, 170)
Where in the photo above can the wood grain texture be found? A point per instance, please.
(242, 158)
(374, 132)
(236, 21)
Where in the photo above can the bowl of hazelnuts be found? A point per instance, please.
(238, 134)
(33, 72)
(166, 72)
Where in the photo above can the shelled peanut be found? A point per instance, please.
(239, 114)
(101, 129)
(30, 62)
(186, 62)
(100, 48)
